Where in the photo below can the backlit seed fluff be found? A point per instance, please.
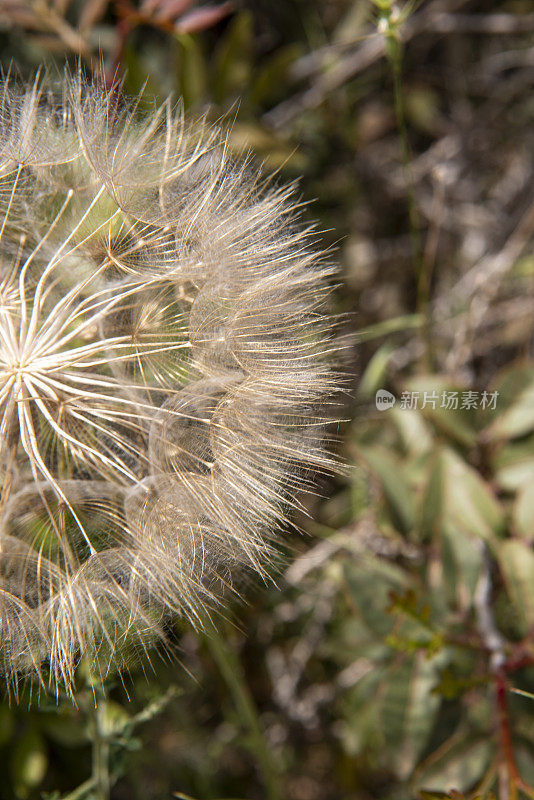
(165, 364)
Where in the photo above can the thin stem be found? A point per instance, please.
(99, 739)
(511, 774)
(231, 670)
(421, 267)
(400, 114)
(81, 791)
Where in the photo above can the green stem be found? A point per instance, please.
(100, 776)
(421, 271)
(81, 791)
(415, 232)
(231, 670)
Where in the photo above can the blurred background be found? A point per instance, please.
(393, 657)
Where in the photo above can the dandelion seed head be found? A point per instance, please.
(165, 362)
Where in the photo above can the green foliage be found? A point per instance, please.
(394, 660)
(434, 481)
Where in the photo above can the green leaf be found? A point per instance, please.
(192, 70)
(513, 464)
(512, 382)
(523, 512)
(517, 420)
(397, 491)
(233, 59)
(360, 725)
(389, 326)
(469, 502)
(413, 429)
(370, 582)
(459, 768)
(409, 710)
(458, 424)
(516, 560)
(462, 564)
(375, 373)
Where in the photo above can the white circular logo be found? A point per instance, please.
(384, 400)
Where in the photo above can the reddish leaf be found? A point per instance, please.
(166, 10)
(201, 18)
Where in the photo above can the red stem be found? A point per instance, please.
(504, 728)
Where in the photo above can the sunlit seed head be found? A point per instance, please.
(165, 361)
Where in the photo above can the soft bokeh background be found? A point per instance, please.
(393, 659)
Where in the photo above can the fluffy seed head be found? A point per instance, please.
(164, 363)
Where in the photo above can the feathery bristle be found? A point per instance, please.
(165, 360)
